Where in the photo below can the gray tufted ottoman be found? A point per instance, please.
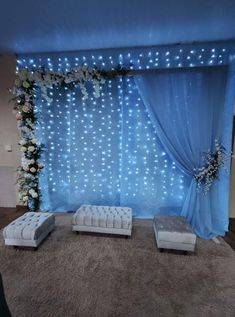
(103, 219)
(173, 232)
(29, 230)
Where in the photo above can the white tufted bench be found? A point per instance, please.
(103, 219)
(173, 232)
(29, 230)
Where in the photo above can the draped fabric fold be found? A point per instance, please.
(186, 108)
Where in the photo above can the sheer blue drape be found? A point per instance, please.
(149, 178)
(187, 108)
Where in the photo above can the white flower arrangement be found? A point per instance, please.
(24, 91)
(206, 175)
(47, 79)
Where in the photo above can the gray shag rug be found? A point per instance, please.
(98, 276)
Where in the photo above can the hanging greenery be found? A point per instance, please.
(24, 90)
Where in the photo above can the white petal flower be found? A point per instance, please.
(22, 142)
(18, 116)
(26, 84)
(23, 74)
(23, 149)
(31, 148)
(34, 195)
(25, 168)
(18, 82)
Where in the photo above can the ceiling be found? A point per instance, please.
(28, 26)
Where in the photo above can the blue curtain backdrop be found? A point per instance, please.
(105, 151)
(186, 108)
(110, 150)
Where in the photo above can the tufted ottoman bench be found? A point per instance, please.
(103, 219)
(29, 230)
(173, 232)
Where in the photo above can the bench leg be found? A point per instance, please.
(161, 250)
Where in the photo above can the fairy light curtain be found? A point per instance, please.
(106, 150)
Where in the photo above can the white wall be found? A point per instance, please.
(7, 187)
(9, 161)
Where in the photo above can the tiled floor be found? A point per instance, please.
(9, 214)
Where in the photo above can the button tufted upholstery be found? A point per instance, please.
(174, 232)
(103, 219)
(29, 229)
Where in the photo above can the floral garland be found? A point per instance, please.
(26, 84)
(206, 175)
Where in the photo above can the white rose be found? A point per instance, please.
(31, 148)
(23, 142)
(25, 198)
(26, 84)
(33, 193)
(18, 116)
(17, 82)
(25, 168)
(26, 108)
(32, 169)
(24, 74)
(23, 149)
(32, 161)
(34, 141)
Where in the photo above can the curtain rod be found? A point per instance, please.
(228, 42)
(175, 69)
